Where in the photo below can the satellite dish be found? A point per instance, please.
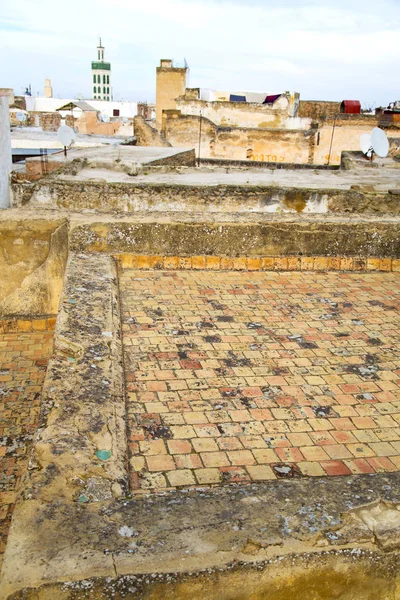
(125, 120)
(379, 142)
(66, 137)
(21, 117)
(104, 117)
(366, 144)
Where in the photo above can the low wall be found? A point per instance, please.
(252, 239)
(147, 135)
(126, 197)
(32, 263)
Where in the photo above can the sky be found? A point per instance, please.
(324, 50)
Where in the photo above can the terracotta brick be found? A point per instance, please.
(385, 264)
(335, 467)
(198, 262)
(24, 325)
(254, 264)
(334, 263)
(144, 262)
(241, 457)
(261, 472)
(311, 469)
(267, 263)
(347, 263)
(395, 265)
(181, 478)
(359, 466)
(184, 262)
(188, 461)
(320, 263)
(205, 476)
(307, 263)
(171, 262)
(213, 263)
(160, 463)
(382, 464)
(293, 263)
(39, 324)
(240, 263)
(179, 446)
(204, 445)
(215, 459)
(281, 263)
(227, 265)
(373, 264)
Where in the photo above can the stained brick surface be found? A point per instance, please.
(23, 362)
(252, 376)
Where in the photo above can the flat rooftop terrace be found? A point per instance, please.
(245, 377)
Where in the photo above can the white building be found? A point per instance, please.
(101, 76)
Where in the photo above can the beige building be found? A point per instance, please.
(48, 90)
(170, 84)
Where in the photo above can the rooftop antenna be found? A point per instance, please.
(66, 136)
(366, 145)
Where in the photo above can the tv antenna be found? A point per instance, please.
(66, 136)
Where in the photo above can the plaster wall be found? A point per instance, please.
(238, 143)
(244, 114)
(346, 138)
(32, 262)
(170, 84)
(5, 153)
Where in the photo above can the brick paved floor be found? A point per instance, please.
(238, 376)
(23, 362)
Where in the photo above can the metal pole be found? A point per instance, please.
(333, 133)
(201, 120)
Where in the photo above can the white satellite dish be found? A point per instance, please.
(21, 117)
(66, 137)
(366, 144)
(125, 120)
(104, 117)
(379, 142)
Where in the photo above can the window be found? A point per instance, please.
(115, 112)
(104, 90)
(108, 79)
(94, 78)
(108, 90)
(104, 78)
(98, 90)
(94, 89)
(98, 78)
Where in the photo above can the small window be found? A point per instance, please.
(94, 89)
(115, 112)
(108, 79)
(94, 78)
(108, 90)
(98, 78)
(104, 90)
(104, 78)
(98, 90)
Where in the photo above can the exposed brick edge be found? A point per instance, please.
(26, 325)
(244, 263)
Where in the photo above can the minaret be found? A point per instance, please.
(48, 90)
(101, 76)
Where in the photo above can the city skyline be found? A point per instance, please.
(325, 51)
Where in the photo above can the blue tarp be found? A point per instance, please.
(234, 98)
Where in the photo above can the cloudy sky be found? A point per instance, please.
(326, 50)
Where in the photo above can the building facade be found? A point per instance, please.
(101, 76)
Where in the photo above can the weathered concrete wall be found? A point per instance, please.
(126, 197)
(269, 238)
(317, 110)
(32, 263)
(88, 123)
(147, 135)
(346, 137)
(236, 143)
(50, 121)
(244, 114)
(5, 153)
(170, 84)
